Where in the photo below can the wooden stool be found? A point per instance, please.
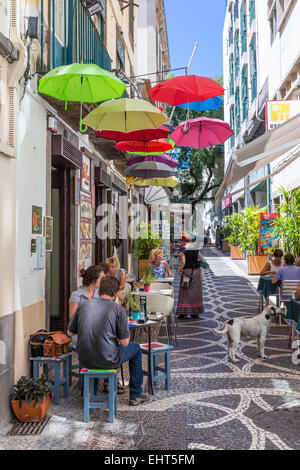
(156, 350)
(91, 398)
(55, 362)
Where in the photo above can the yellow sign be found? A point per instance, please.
(279, 112)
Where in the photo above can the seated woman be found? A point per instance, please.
(91, 278)
(115, 270)
(272, 267)
(160, 267)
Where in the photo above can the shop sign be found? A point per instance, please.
(278, 112)
(86, 174)
(268, 233)
(226, 202)
(86, 214)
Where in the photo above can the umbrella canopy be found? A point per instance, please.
(185, 89)
(81, 82)
(150, 169)
(166, 159)
(160, 145)
(169, 182)
(202, 132)
(141, 136)
(125, 115)
(167, 126)
(199, 106)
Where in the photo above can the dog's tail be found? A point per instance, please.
(221, 332)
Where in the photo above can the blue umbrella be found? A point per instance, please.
(211, 104)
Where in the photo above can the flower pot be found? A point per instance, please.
(136, 315)
(236, 252)
(225, 246)
(147, 288)
(30, 413)
(255, 264)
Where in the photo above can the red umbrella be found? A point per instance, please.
(142, 135)
(186, 89)
(202, 132)
(161, 145)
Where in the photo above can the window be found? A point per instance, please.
(237, 111)
(59, 14)
(236, 54)
(120, 54)
(243, 28)
(273, 25)
(244, 93)
(231, 76)
(236, 10)
(253, 71)
(251, 10)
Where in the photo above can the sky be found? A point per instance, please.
(191, 21)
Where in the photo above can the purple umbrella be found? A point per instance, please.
(164, 158)
(201, 132)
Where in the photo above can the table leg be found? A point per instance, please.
(150, 381)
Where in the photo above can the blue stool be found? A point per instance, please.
(156, 350)
(72, 368)
(91, 399)
(54, 362)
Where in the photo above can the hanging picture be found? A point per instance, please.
(86, 174)
(268, 233)
(37, 224)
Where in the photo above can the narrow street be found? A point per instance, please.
(212, 404)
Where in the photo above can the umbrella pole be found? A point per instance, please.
(82, 129)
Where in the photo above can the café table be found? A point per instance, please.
(266, 287)
(134, 326)
(167, 280)
(154, 292)
(293, 314)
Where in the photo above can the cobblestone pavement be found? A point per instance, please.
(213, 404)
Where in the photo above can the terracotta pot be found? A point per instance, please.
(255, 264)
(236, 252)
(30, 413)
(147, 287)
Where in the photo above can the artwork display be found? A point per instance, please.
(268, 233)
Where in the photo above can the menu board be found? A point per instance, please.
(86, 214)
(268, 233)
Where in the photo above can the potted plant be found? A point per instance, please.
(148, 277)
(30, 398)
(233, 223)
(134, 308)
(249, 238)
(147, 241)
(289, 222)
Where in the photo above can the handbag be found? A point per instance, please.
(203, 264)
(186, 280)
(49, 344)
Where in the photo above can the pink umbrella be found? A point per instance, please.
(164, 158)
(201, 132)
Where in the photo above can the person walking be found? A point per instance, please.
(190, 301)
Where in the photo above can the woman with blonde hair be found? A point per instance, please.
(115, 270)
(160, 266)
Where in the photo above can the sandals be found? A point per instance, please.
(121, 389)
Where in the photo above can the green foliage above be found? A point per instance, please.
(289, 222)
(231, 228)
(29, 389)
(249, 229)
(147, 241)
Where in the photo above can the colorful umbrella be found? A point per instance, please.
(125, 115)
(167, 126)
(160, 145)
(203, 132)
(169, 182)
(164, 158)
(185, 89)
(199, 106)
(84, 83)
(141, 136)
(150, 169)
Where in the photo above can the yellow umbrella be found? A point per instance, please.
(125, 115)
(169, 182)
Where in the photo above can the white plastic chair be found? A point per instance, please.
(161, 286)
(127, 290)
(163, 304)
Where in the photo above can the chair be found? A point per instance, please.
(156, 350)
(163, 304)
(91, 399)
(287, 290)
(127, 290)
(161, 285)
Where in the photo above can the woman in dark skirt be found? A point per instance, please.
(190, 301)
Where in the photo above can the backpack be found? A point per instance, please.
(49, 344)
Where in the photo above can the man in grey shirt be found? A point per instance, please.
(103, 337)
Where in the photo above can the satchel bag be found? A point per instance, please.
(203, 264)
(49, 344)
(186, 280)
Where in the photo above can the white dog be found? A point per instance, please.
(256, 327)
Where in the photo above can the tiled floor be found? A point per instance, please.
(213, 404)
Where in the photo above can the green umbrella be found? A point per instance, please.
(84, 83)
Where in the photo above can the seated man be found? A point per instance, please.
(297, 293)
(290, 272)
(103, 337)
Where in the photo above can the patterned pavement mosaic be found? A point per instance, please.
(213, 404)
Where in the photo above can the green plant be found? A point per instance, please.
(148, 277)
(147, 241)
(249, 229)
(133, 305)
(31, 388)
(289, 222)
(231, 228)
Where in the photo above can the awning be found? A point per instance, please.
(260, 152)
(157, 198)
